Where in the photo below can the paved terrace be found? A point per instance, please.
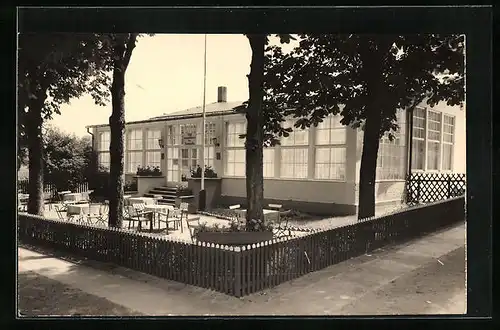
(330, 222)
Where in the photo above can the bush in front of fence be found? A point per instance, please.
(233, 270)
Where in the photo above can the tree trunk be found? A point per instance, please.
(35, 154)
(368, 168)
(117, 126)
(373, 61)
(255, 132)
(124, 44)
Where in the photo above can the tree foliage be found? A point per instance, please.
(365, 79)
(68, 159)
(53, 68)
(326, 75)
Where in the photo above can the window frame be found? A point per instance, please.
(334, 125)
(231, 136)
(441, 142)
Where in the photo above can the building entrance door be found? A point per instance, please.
(189, 160)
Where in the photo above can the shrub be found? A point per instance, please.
(234, 226)
(149, 171)
(209, 172)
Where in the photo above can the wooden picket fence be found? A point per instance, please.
(239, 271)
(424, 187)
(49, 189)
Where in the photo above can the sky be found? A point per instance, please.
(165, 74)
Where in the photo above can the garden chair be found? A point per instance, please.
(278, 208)
(191, 226)
(102, 217)
(282, 230)
(136, 213)
(177, 221)
(60, 209)
(95, 213)
(234, 213)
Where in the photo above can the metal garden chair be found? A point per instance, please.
(137, 214)
(192, 227)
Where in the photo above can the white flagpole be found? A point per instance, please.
(204, 120)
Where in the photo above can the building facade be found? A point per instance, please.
(315, 169)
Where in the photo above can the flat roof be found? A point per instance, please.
(211, 109)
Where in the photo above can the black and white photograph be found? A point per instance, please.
(239, 174)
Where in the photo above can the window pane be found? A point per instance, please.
(104, 139)
(153, 158)
(432, 155)
(134, 140)
(294, 162)
(417, 161)
(268, 162)
(447, 157)
(330, 163)
(234, 130)
(104, 160)
(152, 139)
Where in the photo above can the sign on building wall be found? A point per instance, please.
(189, 135)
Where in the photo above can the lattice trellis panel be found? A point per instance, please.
(424, 187)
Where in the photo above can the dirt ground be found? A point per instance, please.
(41, 296)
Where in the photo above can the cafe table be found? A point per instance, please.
(77, 211)
(141, 200)
(154, 209)
(75, 197)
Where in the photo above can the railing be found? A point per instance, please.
(431, 187)
(233, 270)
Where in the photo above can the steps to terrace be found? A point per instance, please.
(169, 194)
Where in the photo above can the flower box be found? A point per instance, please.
(235, 238)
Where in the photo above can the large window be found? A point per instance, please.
(235, 162)
(153, 158)
(268, 162)
(152, 139)
(448, 139)
(294, 163)
(209, 133)
(433, 140)
(103, 149)
(134, 160)
(134, 140)
(418, 143)
(172, 135)
(391, 158)
(104, 160)
(234, 130)
(104, 139)
(209, 156)
(330, 162)
(173, 173)
(235, 149)
(294, 153)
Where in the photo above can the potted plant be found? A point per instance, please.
(209, 172)
(236, 233)
(149, 171)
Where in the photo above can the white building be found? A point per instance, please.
(315, 170)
